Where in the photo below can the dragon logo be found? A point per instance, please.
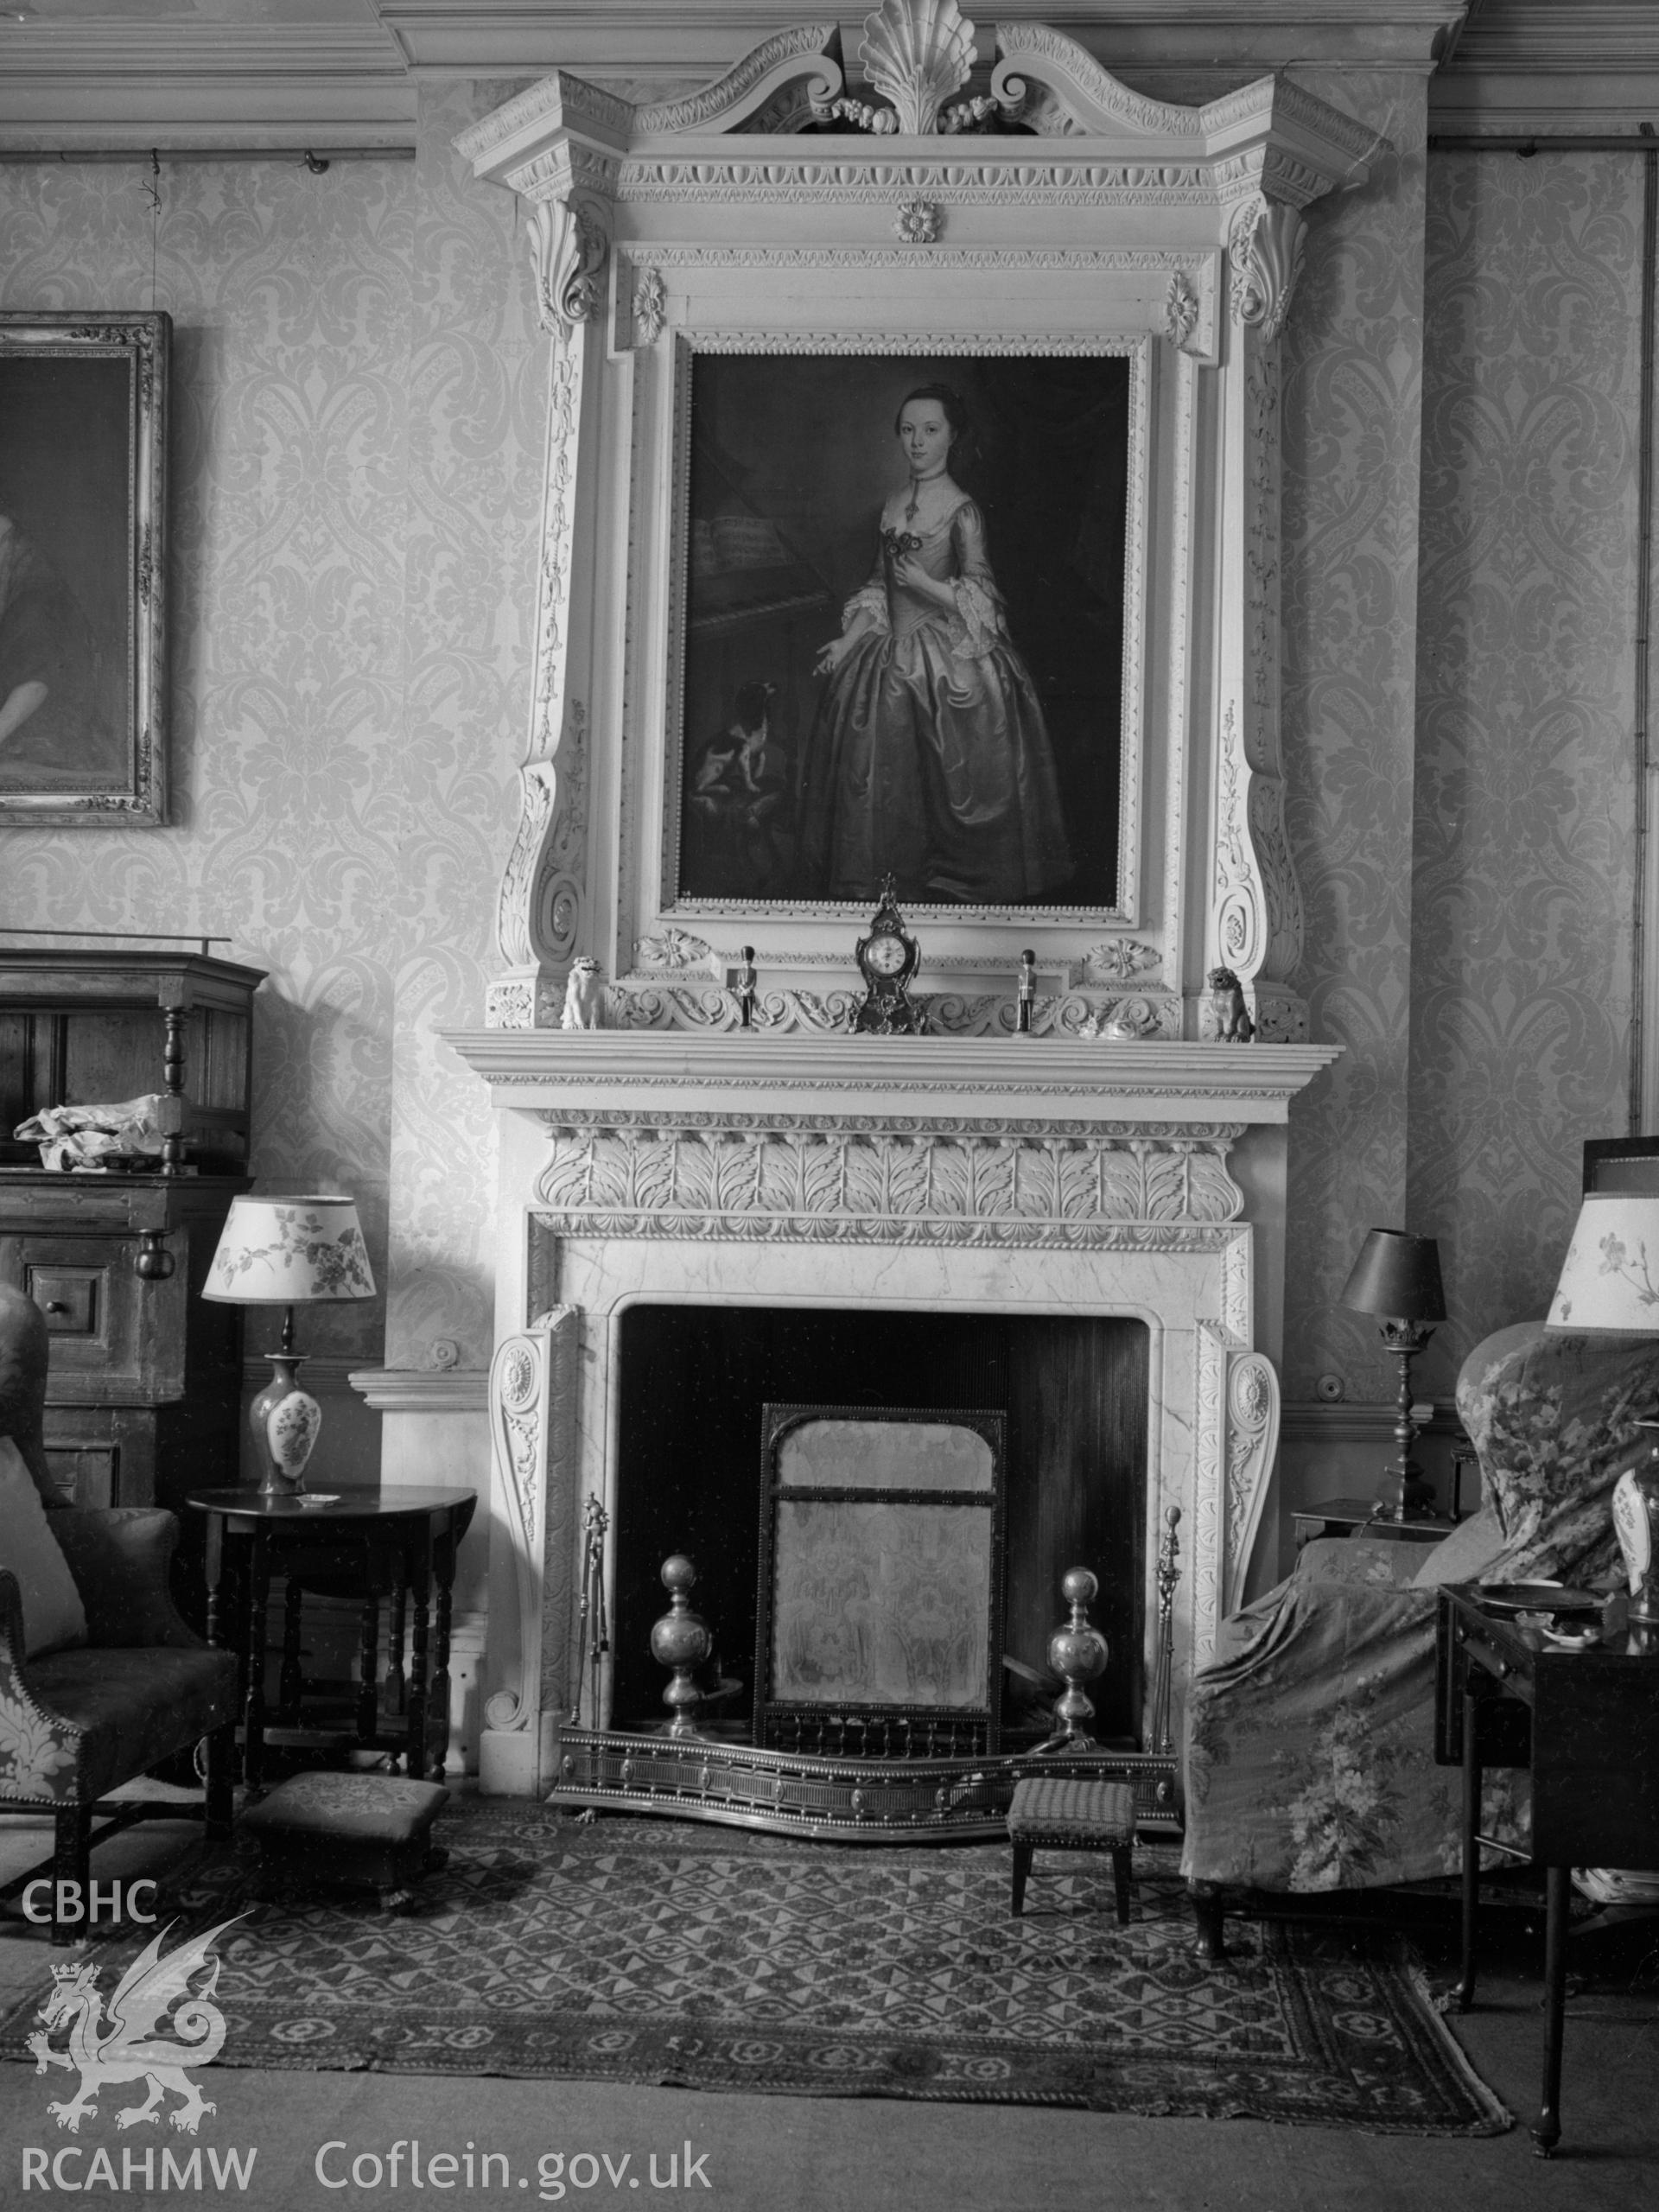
(125, 2046)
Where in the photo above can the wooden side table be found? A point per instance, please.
(394, 1544)
(1586, 1722)
(1349, 1516)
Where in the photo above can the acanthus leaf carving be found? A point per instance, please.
(889, 1185)
(1265, 246)
(569, 242)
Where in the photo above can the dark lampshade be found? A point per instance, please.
(1397, 1275)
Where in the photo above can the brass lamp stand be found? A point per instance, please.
(1397, 1278)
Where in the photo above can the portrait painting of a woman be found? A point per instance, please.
(929, 758)
(918, 565)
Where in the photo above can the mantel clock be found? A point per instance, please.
(888, 958)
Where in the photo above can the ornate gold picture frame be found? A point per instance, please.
(83, 476)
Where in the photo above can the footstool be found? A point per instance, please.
(368, 1831)
(1059, 1813)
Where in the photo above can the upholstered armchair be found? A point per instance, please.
(1309, 1753)
(78, 1721)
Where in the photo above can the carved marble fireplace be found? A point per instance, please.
(987, 197)
(1009, 1176)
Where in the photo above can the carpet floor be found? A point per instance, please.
(646, 1951)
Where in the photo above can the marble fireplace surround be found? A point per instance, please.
(1013, 1176)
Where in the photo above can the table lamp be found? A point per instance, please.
(1397, 1277)
(288, 1252)
(1608, 1281)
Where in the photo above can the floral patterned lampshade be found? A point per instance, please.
(290, 1252)
(1610, 1279)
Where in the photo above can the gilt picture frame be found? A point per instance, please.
(83, 567)
(982, 752)
(880, 1605)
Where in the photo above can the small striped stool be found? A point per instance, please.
(1055, 1812)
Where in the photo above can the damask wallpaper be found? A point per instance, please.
(359, 404)
(1352, 416)
(361, 399)
(1523, 884)
(1462, 370)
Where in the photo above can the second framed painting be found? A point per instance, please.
(83, 474)
(904, 629)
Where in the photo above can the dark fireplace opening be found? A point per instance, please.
(694, 1380)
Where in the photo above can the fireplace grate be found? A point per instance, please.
(876, 1736)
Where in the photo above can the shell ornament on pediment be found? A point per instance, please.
(919, 54)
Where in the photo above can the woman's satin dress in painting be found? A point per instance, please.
(929, 757)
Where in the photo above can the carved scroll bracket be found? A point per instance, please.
(1265, 246)
(533, 1380)
(543, 892)
(570, 242)
(1239, 1427)
(1253, 1407)
(1257, 913)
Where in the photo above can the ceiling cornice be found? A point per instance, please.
(1538, 66)
(84, 83)
(1240, 35)
(131, 82)
(1525, 64)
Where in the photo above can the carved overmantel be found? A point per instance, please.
(936, 193)
(1035, 205)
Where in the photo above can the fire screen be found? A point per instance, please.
(881, 1591)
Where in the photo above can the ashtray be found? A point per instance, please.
(318, 1498)
(1551, 1598)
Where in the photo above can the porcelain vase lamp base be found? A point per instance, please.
(285, 1419)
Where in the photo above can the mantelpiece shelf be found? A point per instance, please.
(987, 1079)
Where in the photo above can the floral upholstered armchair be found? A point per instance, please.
(1309, 1753)
(127, 1682)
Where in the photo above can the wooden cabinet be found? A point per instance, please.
(144, 1390)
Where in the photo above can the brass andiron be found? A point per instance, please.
(592, 1626)
(1077, 1652)
(680, 1640)
(1169, 1574)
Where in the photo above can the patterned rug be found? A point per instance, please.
(642, 1950)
